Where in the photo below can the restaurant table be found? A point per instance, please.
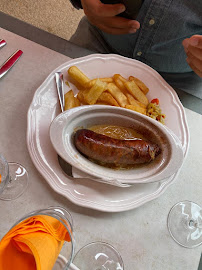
(140, 235)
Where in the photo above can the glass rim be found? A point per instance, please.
(5, 180)
(168, 226)
(58, 216)
(102, 243)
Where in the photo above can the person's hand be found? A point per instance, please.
(103, 16)
(193, 49)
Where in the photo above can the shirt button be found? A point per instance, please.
(139, 53)
(151, 22)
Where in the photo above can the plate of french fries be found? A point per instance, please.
(105, 80)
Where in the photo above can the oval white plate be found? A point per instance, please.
(45, 107)
(166, 164)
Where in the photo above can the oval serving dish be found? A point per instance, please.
(62, 131)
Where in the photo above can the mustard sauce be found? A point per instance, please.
(117, 132)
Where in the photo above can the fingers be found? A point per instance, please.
(115, 25)
(104, 17)
(196, 41)
(195, 64)
(193, 49)
(116, 31)
(98, 9)
(117, 22)
(110, 10)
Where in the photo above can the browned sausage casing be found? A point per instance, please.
(114, 151)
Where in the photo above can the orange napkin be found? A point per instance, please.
(33, 244)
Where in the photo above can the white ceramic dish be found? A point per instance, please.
(45, 107)
(63, 127)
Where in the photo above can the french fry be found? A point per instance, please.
(91, 95)
(120, 85)
(107, 99)
(118, 76)
(140, 84)
(76, 102)
(80, 97)
(77, 75)
(117, 94)
(70, 101)
(135, 91)
(136, 108)
(133, 101)
(92, 82)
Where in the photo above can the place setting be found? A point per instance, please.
(109, 135)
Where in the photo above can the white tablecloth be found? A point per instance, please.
(140, 235)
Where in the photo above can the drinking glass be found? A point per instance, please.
(13, 179)
(185, 224)
(64, 259)
(98, 256)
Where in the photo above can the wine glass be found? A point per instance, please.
(185, 224)
(13, 179)
(98, 256)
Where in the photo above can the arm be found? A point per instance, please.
(193, 49)
(103, 16)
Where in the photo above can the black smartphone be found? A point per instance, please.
(132, 7)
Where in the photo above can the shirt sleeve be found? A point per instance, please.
(76, 3)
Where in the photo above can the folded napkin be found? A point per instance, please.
(33, 244)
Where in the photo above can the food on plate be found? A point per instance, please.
(119, 81)
(117, 132)
(108, 150)
(140, 84)
(115, 91)
(71, 101)
(91, 95)
(92, 82)
(78, 75)
(154, 111)
(135, 91)
(136, 108)
(117, 94)
(107, 98)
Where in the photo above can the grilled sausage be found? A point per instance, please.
(114, 151)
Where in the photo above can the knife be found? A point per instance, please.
(2, 43)
(60, 89)
(10, 63)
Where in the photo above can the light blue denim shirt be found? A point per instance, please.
(158, 42)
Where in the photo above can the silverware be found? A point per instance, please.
(60, 89)
(2, 43)
(66, 167)
(10, 62)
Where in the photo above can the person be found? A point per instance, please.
(166, 35)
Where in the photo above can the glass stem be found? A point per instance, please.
(10, 180)
(192, 224)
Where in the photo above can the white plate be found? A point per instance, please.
(45, 107)
(166, 164)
